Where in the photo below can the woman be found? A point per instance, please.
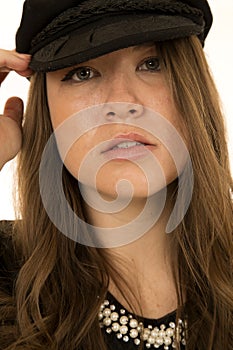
(126, 91)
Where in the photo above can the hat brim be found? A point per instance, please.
(105, 36)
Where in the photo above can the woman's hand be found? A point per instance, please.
(10, 121)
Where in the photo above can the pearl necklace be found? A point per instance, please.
(126, 327)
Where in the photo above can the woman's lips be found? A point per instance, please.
(130, 153)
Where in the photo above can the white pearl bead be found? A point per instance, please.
(133, 333)
(115, 327)
(154, 333)
(151, 340)
(123, 329)
(114, 316)
(133, 323)
(161, 334)
(159, 341)
(137, 341)
(107, 321)
(169, 332)
(107, 312)
(167, 341)
(124, 320)
(126, 338)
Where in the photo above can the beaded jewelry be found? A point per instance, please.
(126, 327)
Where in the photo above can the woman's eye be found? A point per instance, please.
(150, 64)
(80, 74)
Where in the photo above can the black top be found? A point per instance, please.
(121, 329)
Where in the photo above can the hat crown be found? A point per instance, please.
(42, 12)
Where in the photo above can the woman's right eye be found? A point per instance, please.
(80, 74)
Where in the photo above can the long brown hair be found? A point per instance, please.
(61, 284)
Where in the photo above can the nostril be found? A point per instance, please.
(132, 111)
(111, 114)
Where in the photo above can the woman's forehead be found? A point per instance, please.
(146, 48)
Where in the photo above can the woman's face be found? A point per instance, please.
(134, 77)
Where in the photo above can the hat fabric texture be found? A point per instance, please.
(62, 33)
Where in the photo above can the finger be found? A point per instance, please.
(13, 61)
(26, 73)
(14, 109)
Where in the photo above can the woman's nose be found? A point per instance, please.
(122, 110)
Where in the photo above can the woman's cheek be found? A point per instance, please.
(76, 156)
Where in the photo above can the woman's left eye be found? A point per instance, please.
(151, 64)
(80, 74)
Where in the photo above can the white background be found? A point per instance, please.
(218, 48)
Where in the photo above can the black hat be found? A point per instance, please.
(62, 33)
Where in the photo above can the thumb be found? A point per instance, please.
(14, 109)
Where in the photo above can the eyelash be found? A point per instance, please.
(69, 76)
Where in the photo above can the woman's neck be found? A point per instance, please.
(147, 266)
(145, 263)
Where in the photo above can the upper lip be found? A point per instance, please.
(119, 138)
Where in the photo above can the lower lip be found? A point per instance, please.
(131, 153)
